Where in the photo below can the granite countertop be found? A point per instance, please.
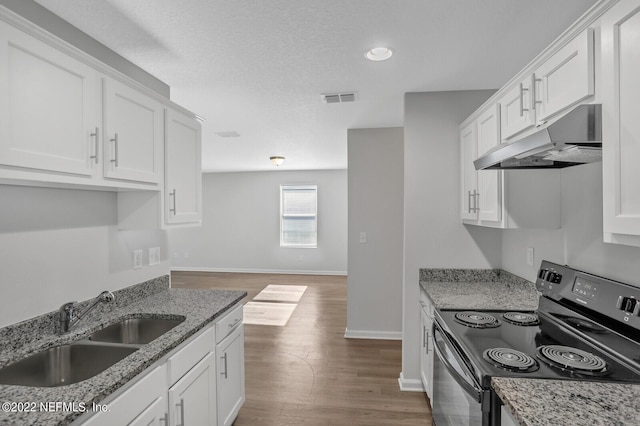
(478, 289)
(199, 307)
(561, 402)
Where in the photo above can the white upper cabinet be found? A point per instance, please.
(516, 109)
(489, 205)
(49, 117)
(183, 172)
(469, 176)
(620, 38)
(134, 134)
(566, 78)
(562, 81)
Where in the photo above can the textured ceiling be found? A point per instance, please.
(258, 67)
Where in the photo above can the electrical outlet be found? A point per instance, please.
(530, 256)
(154, 256)
(137, 259)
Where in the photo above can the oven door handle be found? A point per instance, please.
(472, 388)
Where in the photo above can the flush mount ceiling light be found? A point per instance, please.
(276, 160)
(379, 54)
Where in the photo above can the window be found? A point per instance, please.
(298, 216)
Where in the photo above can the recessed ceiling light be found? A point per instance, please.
(379, 54)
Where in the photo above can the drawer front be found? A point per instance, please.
(190, 355)
(228, 323)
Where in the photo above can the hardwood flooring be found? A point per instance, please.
(306, 373)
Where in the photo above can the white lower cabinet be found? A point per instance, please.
(426, 347)
(230, 377)
(141, 403)
(190, 399)
(200, 383)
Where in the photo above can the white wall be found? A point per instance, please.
(579, 242)
(59, 245)
(374, 286)
(241, 225)
(433, 234)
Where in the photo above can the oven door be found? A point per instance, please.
(457, 396)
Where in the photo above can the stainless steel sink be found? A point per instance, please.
(135, 330)
(64, 364)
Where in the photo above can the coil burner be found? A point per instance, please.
(573, 360)
(510, 359)
(521, 318)
(477, 319)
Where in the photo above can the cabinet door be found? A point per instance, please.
(192, 398)
(621, 124)
(48, 107)
(489, 198)
(231, 393)
(156, 414)
(426, 354)
(468, 153)
(134, 134)
(183, 193)
(516, 109)
(566, 78)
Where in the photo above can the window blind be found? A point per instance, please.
(298, 215)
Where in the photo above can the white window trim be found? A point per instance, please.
(282, 216)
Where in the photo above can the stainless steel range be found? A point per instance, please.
(586, 328)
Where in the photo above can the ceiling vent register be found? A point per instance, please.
(336, 98)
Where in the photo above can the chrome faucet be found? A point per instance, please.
(69, 315)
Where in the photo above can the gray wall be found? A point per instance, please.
(60, 245)
(241, 226)
(433, 235)
(579, 242)
(374, 305)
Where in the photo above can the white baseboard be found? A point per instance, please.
(410, 385)
(254, 271)
(374, 335)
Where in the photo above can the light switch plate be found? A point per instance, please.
(530, 256)
(154, 256)
(137, 259)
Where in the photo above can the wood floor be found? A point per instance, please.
(306, 373)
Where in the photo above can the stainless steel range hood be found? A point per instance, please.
(573, 139)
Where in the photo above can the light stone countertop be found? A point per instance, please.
(478, 289)
(536, 402)
(199, 307)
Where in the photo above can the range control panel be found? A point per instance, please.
(614, 299)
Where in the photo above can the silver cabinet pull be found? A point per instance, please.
(224, 373)
(522, 108)
(535, 92)
(426, 342)
(424, 336)
(173, 194)
(115, 150)
(165, 419)
(476, 203)
(181, 406)
(235, 323)
(469, 201)
(96, 144)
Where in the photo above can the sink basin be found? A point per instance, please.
(64, 364)
(135, 330)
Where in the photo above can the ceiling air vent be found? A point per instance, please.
(335, 98)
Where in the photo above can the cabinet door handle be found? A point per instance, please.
(235, 323)
(535, 92)
(424, 336)
(224, 373)
(469, 202)
(115, 150)
(426, 342)
(181, 406)
(96, 142)
(522, 108)
(476, 202)
(165, 419)
(173, 194)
